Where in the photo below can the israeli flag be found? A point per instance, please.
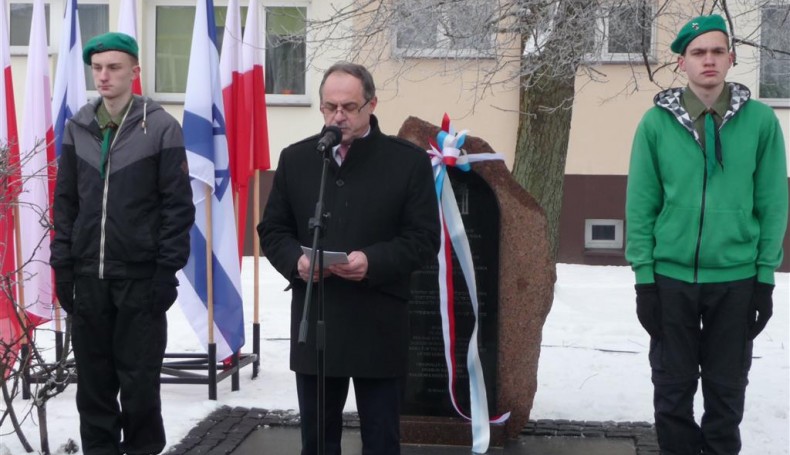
(207, 153)
(69, 93)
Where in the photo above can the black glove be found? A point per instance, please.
(164, 290)
(648, 308)
(761, 308)
(64, 290)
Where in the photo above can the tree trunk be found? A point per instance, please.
(43, 430)
(546, 105)
(542, 145)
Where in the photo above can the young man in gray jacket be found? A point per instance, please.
(122, 212)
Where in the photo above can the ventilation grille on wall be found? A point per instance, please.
(603, 234)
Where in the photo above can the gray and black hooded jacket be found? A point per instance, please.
(134, 223)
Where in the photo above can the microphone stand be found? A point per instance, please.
(316, 224)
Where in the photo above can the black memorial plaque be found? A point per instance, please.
(427, 385)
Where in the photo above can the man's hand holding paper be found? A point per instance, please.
(355, 270)
(330, 258)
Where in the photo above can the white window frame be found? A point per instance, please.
(54, 27)
(773, 102)
(91, 93)
(443, 51)
(149, 56)
(601, 55)
(149, 61)
(593, 244)
(56, 10)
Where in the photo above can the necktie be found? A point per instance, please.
(342, 151)
(712, 143)
(109, 129)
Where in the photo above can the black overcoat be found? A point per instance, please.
(382, 202)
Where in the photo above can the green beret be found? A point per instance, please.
(695, 28)
(112, 41)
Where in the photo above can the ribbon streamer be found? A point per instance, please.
(446, 151)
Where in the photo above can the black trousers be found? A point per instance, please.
(704, 333)
(119, 345)
(378, 405)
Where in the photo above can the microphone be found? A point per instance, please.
(330, 137)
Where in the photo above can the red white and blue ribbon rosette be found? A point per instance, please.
(446, 151)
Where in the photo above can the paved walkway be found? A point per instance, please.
(242, 431)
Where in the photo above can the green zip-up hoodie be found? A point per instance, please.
(699, 227)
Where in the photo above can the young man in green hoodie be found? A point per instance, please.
(706, 212)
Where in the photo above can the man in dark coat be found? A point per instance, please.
(381, 209)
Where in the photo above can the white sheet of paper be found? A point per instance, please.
(330, 257)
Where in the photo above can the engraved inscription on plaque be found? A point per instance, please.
(427, 384)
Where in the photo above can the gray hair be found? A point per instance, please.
(358, 71)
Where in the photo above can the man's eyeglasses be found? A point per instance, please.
(347, 109)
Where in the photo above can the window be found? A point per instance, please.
(603, 234)
(94, 20)
(436, 28)
(622, 33)
(285, 54)
(286, 50)
(173, 43)
(173, 39)
(21, 14)
(775, 66)
(220, 17)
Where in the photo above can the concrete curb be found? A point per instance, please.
(642, 433)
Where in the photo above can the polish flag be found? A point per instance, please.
(69, 94)
(37, 154)
(236, 119)
(127, 23)
(255, 108)
(10, 328)
(255, 89)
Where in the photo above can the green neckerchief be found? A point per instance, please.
(708, 125)
(108, 126)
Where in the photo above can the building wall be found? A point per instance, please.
(601, 197)
(432, 89)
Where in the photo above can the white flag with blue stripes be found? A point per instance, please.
(207, 153)
(69, 92)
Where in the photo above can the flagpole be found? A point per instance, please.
(209, 266)
(234, 380)
(20, 292)
(58, 333)
(256, 248)
(19, 275)
(212, 347)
